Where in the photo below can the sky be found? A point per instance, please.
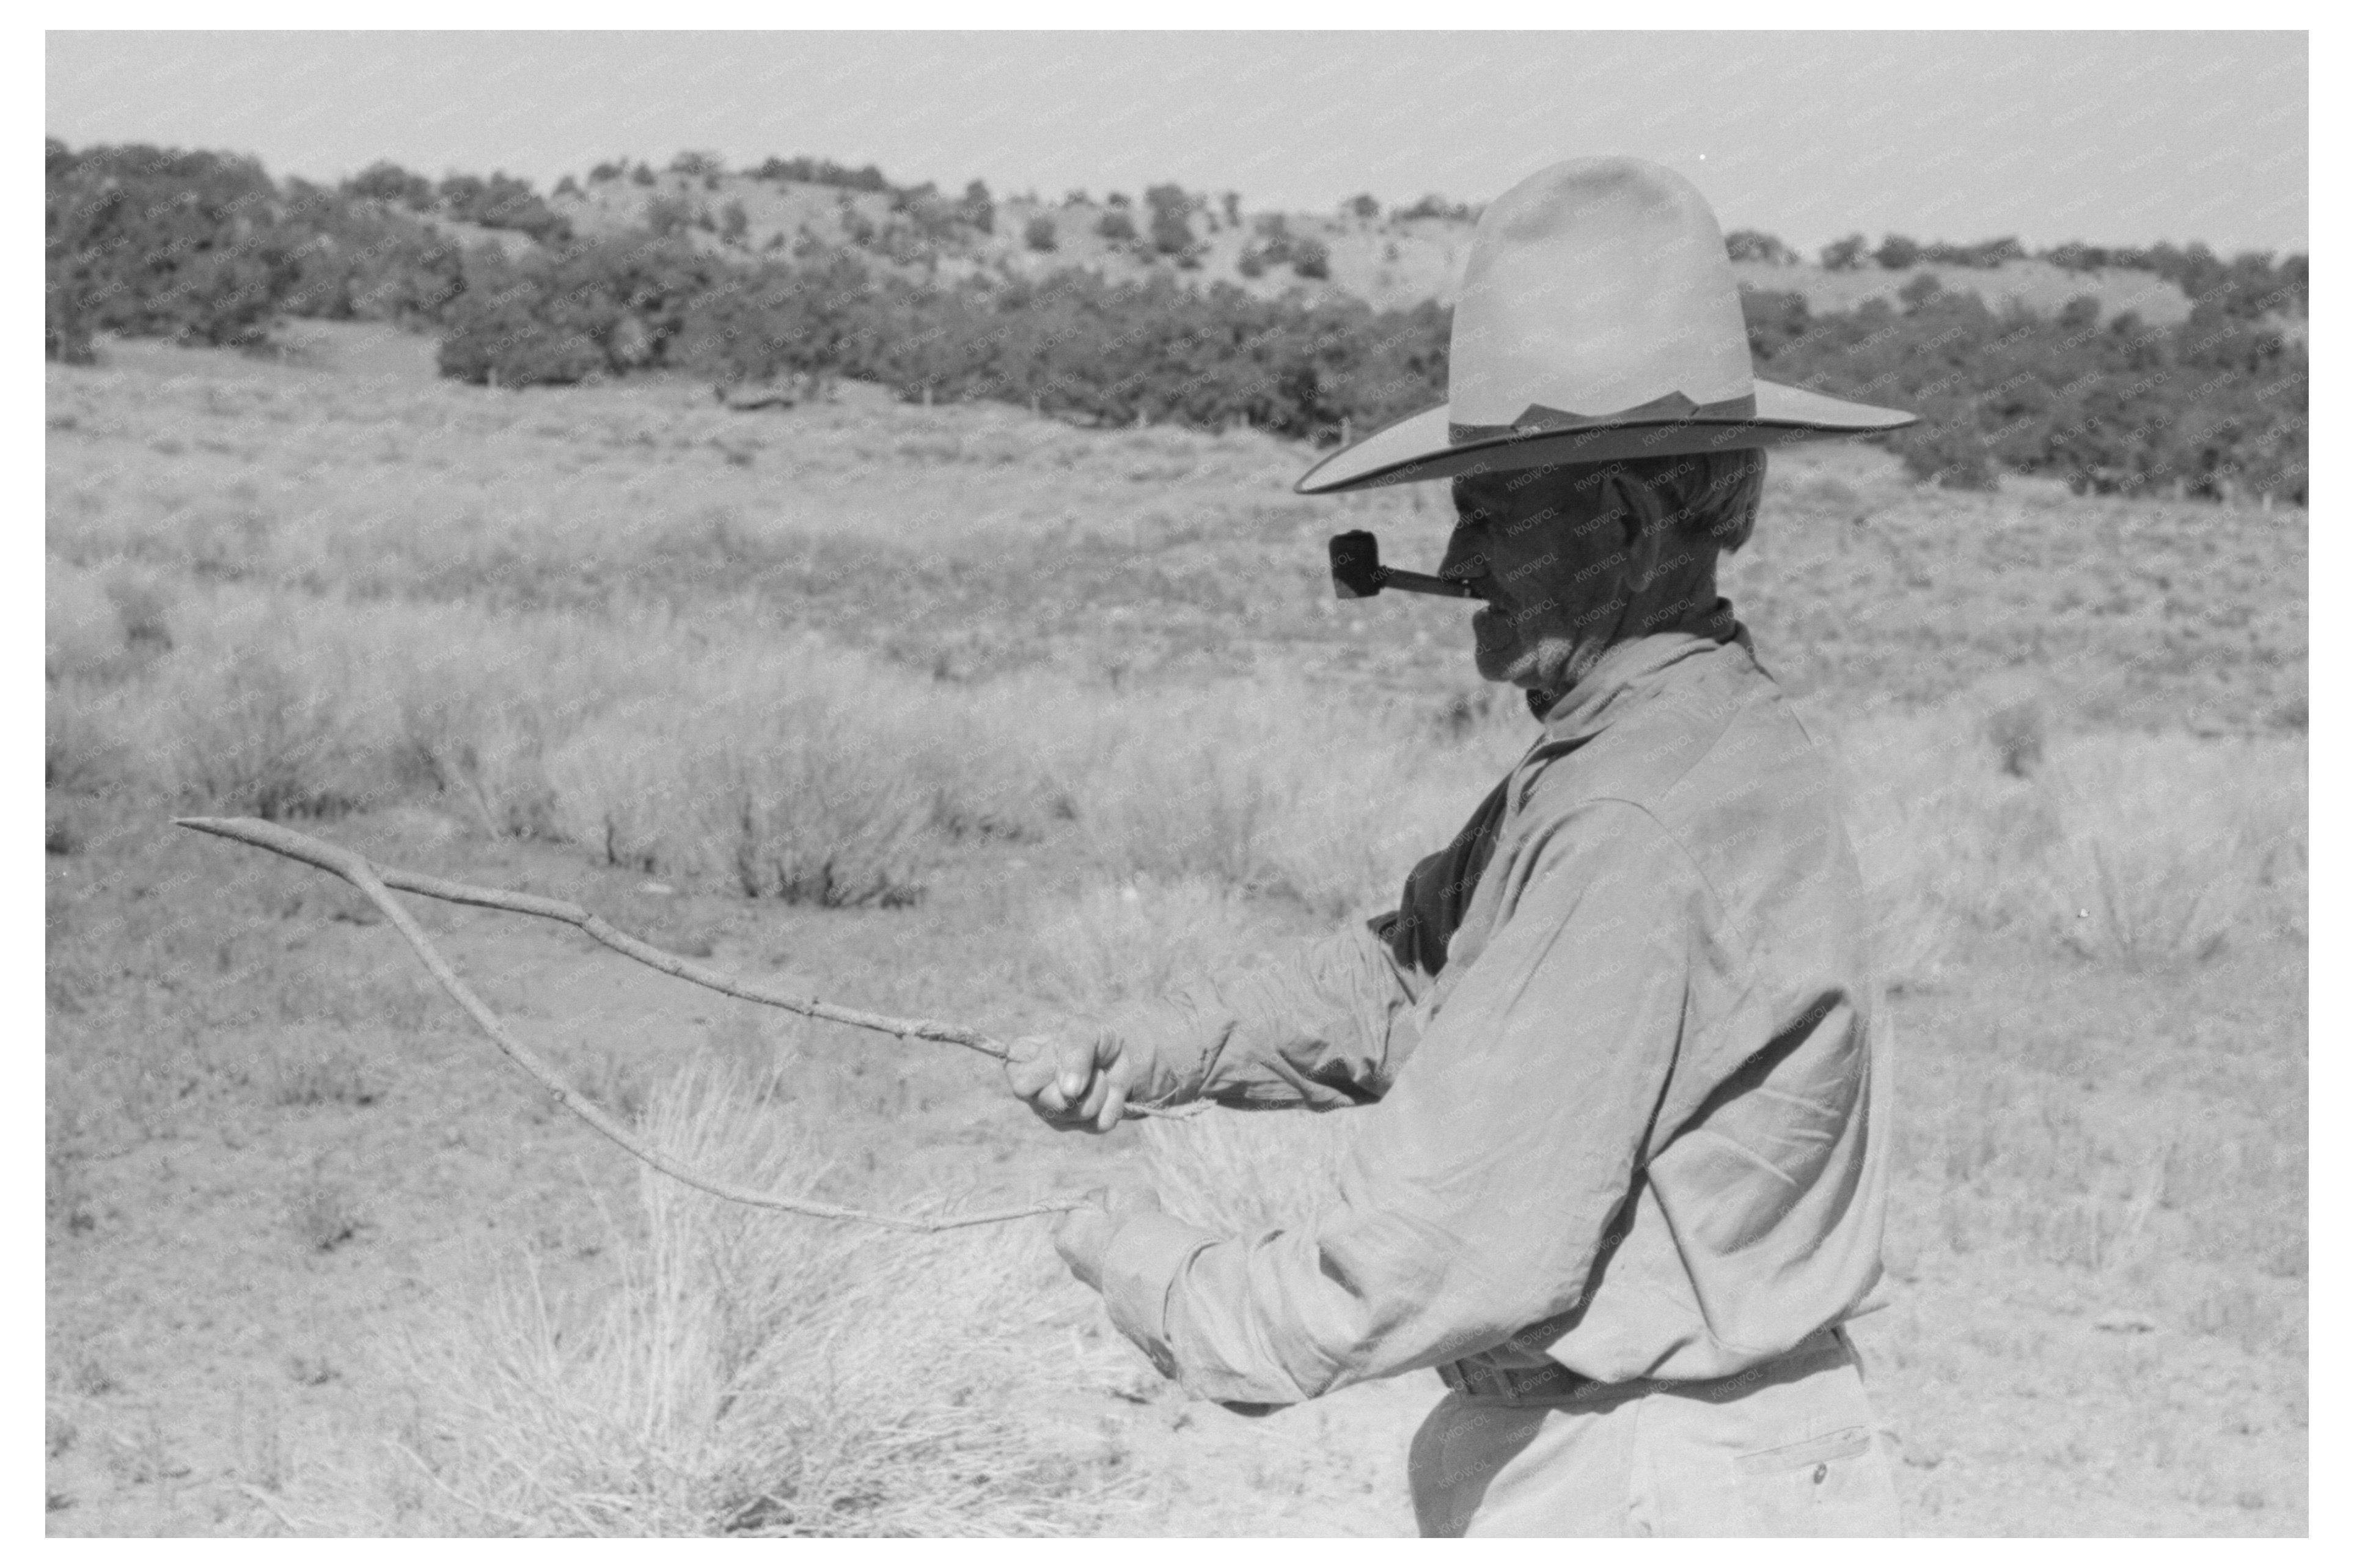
(2113, 138)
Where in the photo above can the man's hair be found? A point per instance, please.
(1702, 496)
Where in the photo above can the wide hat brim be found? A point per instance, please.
(1420, 446)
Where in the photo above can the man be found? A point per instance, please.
(1619, 1174)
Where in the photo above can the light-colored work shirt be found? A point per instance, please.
(1619, 1102)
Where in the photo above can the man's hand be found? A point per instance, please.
(1074, 1082)
(1083, 1235)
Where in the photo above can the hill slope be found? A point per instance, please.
(1390, 261)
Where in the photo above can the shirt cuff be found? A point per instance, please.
(1141, 1263)
(1174, 1049)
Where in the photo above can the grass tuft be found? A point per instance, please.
(759, 1374)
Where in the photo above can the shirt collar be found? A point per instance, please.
(1631, 670)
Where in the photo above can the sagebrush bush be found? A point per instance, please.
(760, 1373)
(788, 799)
(2126, 849)
(2160, 850)
(270, 740)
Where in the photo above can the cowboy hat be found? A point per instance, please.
(1599, 319)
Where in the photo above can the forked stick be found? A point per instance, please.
(377, 883)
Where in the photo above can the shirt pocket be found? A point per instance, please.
(1831, 1485)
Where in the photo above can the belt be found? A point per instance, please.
(1544, 1384)
(1477, 1380)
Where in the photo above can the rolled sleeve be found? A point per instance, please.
(1331, 1027)
(1145, 1255)
(1320, 1029)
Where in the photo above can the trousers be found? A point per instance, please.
(1788, 1448)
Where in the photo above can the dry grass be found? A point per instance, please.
(715, 756)
(785, 799)
(757, 1377)
(2125, 848)
(1088, 692)
(1138, 939)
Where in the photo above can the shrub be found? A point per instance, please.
(507, 338)
(266, 735)
(1751, 245)
(1896, 253)
(977, 208)
(2161, 851)
(1775, 318)
(1039, 233)
(2126, 849)
(2212, 406)
(1986, 254)
(1438, 206)
(599, 306)
(155, 243)
(1171, 234)
(1309, 257)
(755, 1374)
(1844, 255)
(356, 260)
(793, 801)
(389, 182)
(323, 1213)
(1117, 227)
(823, 172)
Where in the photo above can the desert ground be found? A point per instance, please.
(961, 712)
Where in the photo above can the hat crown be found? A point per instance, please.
(1595, 287)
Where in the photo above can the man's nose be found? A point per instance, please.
(1464, 560)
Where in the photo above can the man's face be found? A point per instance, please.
(1550, 555)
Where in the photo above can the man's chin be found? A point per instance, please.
(1515, 665)
(1507, 665)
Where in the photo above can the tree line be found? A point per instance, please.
(2212, 406)
(206, 248)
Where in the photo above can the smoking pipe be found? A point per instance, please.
(1358, 572)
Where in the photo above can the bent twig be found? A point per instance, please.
(377, 883)
(342, 862)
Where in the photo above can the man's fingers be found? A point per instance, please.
(1091, 1104)
(1044, 1093)
(1029, 1080)
(1078, 1068)
(1032, 1067)
(1071, 1083)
